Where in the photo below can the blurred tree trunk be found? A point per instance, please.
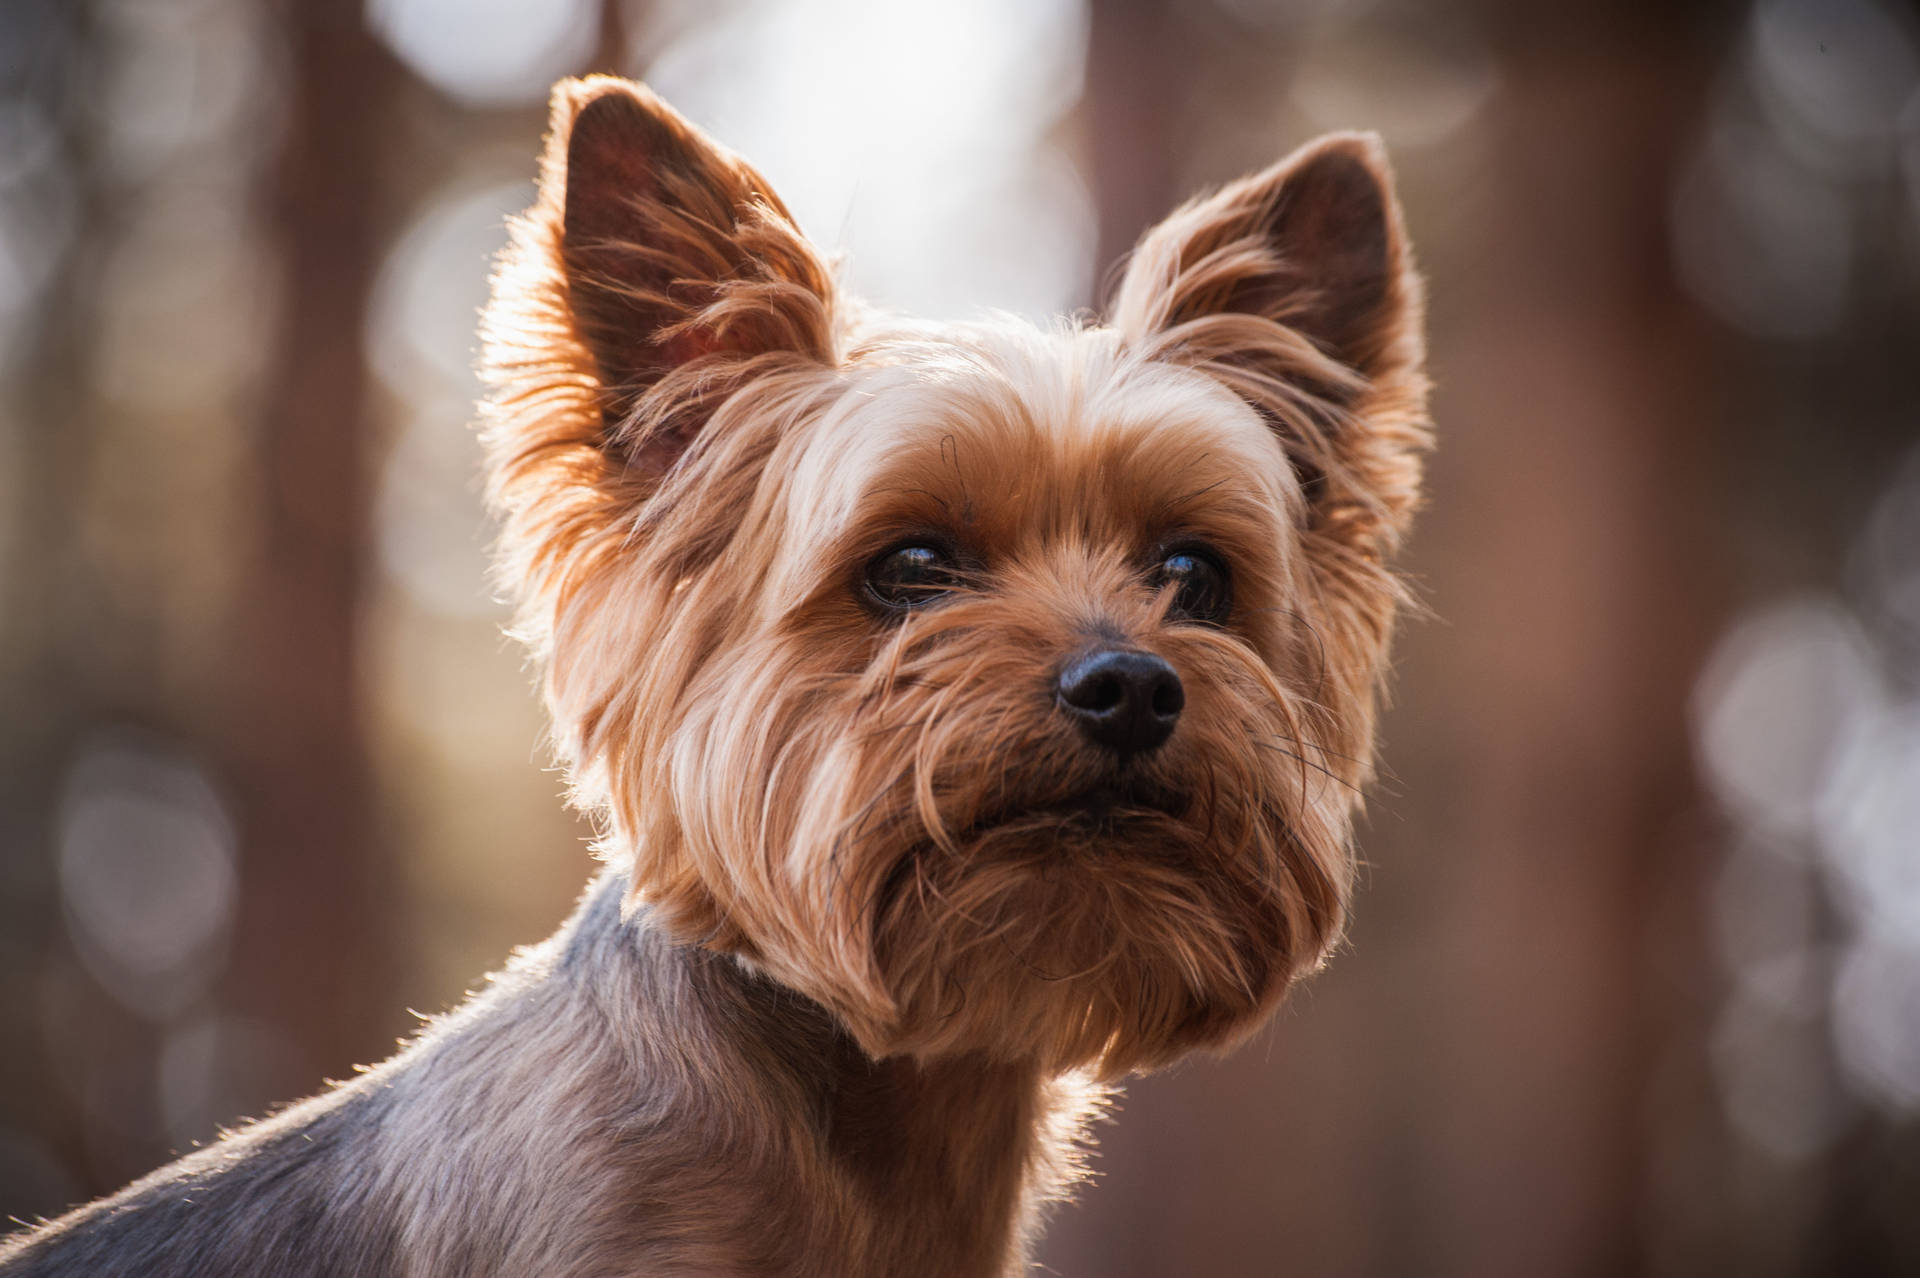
(1136, 86)
(1576, 573)
(313, 929)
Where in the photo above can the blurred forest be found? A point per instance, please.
(1635, 982)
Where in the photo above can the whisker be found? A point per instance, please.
(1305, 762)
(1319, 643)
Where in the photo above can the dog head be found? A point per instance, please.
(1004, 690)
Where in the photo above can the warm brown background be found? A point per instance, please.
(1635, 984)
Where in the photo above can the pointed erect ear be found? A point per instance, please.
(1295, 288)
(1314, 243)
(674, 253)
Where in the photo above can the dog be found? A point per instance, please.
(974, 715)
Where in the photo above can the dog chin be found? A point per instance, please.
(1102, 932)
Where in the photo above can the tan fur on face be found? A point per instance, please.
(698, 446)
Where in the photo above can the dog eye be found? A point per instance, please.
(1202, 590)
(911, 576)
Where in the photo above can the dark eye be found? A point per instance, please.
(1202, 590)
(911, 576)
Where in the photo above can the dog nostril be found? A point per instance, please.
(1124, 700)
(1168, 696)
(1100, 693)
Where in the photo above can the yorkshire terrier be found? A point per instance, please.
(975, 714)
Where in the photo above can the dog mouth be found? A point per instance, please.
(1106, 808)
(1122, 817)
(1104, 805)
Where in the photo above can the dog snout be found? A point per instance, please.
(1122, 699)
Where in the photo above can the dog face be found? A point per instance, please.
(1003, 690)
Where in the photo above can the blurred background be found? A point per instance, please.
(1635, 982)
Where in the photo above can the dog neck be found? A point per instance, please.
(740, 1130)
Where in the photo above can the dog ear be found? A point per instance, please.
(1314, 243)
(1296, 287)
(654, 260)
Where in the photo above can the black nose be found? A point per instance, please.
(1126, 701)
